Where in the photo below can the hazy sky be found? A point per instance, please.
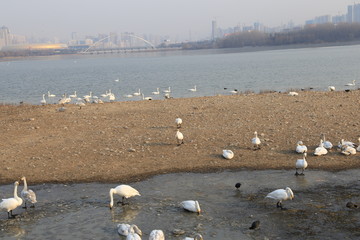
(50, 18)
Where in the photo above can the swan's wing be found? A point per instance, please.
(29, 196)
(277, 194)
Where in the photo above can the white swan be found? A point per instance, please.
(293, 93)
(327, 144)
(320, 150)
(43, 100)
(125, 191)
(192, 89)
(11, 203)
(347, 150)
(178, 122)
(124, 229)
(64, 99)
(27, 194)
(146, 98)
(157, 92)
(256, 141)
(104, 95)
(351, 84)
(196, 237)
(301, 164)
(179, 137)
(281, 195)
(191, 206)
(80, 103)
(167, 90)
(73, 95)
(51, 95)
(347, 143)
(111, 97)
(137, 93)
(87, 97)
(235, 91)
(132, 234)
(128, 95)
(331, 88)
(300, 147)
(228, 154)
(157, 235)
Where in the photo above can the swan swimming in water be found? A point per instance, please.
(228, 154)
(157, 235)
(157, 92)
(192, 89)
(281, 195)
(191, 206)
(137, 93)
(351, 84)
(167, 90)
(300, 147)
(27, 194)
(125, 191)
(11, 203)
(301, 164)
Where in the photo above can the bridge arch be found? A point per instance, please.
(130, 35)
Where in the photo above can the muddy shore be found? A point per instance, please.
(130, 141)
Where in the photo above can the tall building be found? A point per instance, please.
(5, 38)
(350, 14)
(353, 14)
(214, 30)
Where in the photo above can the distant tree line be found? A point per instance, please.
(310, 34)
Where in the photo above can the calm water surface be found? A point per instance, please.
(210, 70)
(80, 211)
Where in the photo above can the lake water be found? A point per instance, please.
(210, 70)
(80, 211)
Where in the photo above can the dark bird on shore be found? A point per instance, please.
(351, 205)
(255, 225)
(238, 185)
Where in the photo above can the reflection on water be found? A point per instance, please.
(80, 211)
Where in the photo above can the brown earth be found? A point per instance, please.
(129, 141)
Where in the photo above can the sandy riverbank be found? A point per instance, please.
(129, 141)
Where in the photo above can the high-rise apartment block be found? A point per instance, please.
(5, 38)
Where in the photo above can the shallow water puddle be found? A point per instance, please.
(80, 211)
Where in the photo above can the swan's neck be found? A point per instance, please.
(111, 197)
(15, 191)
(25, 185)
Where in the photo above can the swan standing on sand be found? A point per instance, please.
(27, 194)
(178, 122)
(320, 150)
(196, 237)
(228, 154)
(157, 235)
(331, 88)
(125, 191)
(300, 147)
(11, 203)
(301, 164)
(192, 89)
(351, 84)
(191, 206)
(43, 100)
(157, 92)
(111, 97)
(281, 195)
(124, 229)
(256, 141)
(179, 137)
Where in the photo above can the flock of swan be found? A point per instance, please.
(107, 96)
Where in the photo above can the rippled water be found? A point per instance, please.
(80, 211)
(210, 70)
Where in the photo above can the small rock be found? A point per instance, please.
(132, 150)
(178, 232)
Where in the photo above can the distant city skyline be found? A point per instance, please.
(179, 21)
